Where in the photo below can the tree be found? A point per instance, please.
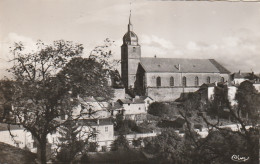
(137, 142)
(165, 147)
(70, 143)
(121, 143)
(45, 80)
(248, 104)
(158, 109)
(221, 139)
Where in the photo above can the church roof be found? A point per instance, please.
(186, 65)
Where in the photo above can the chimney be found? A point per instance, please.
(98, 121)
(239, 72)
(216, 84)
(179, 67)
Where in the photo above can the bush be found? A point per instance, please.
(158, 109)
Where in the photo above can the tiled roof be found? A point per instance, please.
(186, 65)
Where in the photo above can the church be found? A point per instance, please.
(165, 79)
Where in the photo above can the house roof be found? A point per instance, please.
(128, 101)
(243, 75)
(97, 122)
(4, 127)
(186, 65)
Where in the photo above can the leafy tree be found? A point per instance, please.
(6, 93)
(248, 104)
(219, 140)
(125, 126)
(45, 80)
(70, 144)
(165, 147)
(137, 142)
(121, 143)
(158, 109)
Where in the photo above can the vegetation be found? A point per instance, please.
(13, 155)
(221, 143)
(121, 143)
(45, 80)
(158, 109)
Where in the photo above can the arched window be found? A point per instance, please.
(196, 81)
(222, 79)
(171, 81)
(184, 81)
(208, 80)
(158, 81)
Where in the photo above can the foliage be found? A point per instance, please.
(221, 143)
(165, 147)
(124, 126)
(248, 101)
(158, 109)
(137, 142)
(219, 103)
(103, 55)
(6, 93)
(121, 143)
(46, 80)
(70, 142)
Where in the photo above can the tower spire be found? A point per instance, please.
(130, 26)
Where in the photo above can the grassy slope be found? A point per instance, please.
(13, 155)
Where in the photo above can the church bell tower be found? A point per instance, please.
(130, 56)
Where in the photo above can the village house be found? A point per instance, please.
(17, 136)
(239, 77)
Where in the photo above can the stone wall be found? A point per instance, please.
(168, 93)
(190, 78)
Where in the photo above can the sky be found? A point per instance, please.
(225, 31)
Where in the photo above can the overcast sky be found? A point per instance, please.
(226, 31)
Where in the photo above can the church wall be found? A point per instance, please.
(190, 78)
(167, 93)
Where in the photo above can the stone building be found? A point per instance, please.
(164, 79)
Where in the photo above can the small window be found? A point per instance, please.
(94, 129)
(196, 81)
(158, 81)
(171, 81)
(139, 108)
(106, 129)
(208, 80)
(134, 49)
(34, 144)
(222, 79)
(184, 81)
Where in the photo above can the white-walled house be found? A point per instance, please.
(207, 91)
(239, 77)
(102, 128)
(92, 108)
(134, 109)
(17, 136)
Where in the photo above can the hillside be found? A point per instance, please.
(13, 155)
